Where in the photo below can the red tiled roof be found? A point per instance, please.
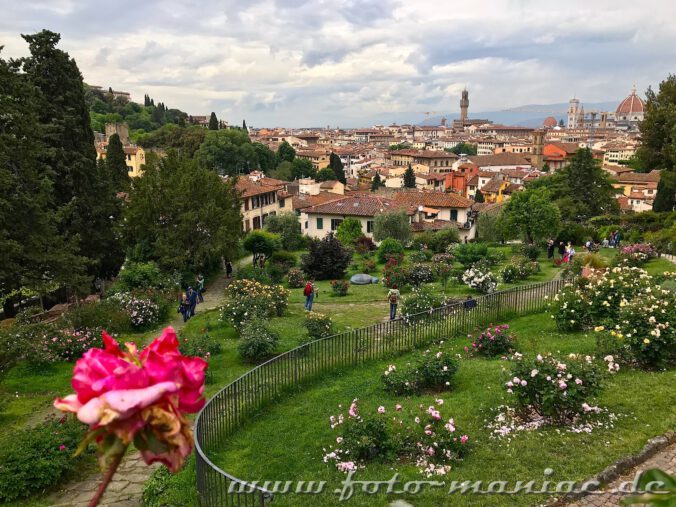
(356, 206)
(634, 177)
(425, 154)
(249, 188)
(432, 199)
(303, 201)
(499, 159)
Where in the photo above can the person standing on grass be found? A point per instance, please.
(192, 301)
(550, 248)
(393, 298)
(200, 288)
(309, 292)
(562, 250)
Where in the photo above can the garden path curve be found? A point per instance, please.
(126, 488)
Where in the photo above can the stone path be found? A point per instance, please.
(126, 488)
(665, 459)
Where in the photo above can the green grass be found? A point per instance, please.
(284, 441)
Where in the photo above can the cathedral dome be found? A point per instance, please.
(550, 122)
(631, 105)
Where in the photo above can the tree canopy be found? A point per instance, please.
(336, 166)
(532, 215)
(230, 152)
(409, 177)
(116, 163)
(182, 216)
(213, 121)
(394, 224)
(262, 244)
(287, 226)
(349, 231)
(285, 152)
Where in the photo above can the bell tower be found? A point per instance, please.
(464, 105)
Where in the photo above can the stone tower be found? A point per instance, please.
(538, 147)
(573, 113)
(121, 129)
(464, 105)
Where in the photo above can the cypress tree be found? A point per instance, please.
(337, 166)
(244, 125)
(34, 256)
(409, 177)
(376, 183)
(82, 203)
(116, 162)
(479, 196)
(213, 121)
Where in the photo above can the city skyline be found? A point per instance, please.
(354, 63)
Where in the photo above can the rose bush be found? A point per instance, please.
(637, 254)
(421, 435)
(430, 371)
(142, 311)
(480, 278)
(493, 341)
(318, 325)
(395, 274)
(296, 278)
(416, 305)
(340, 287)
(420, 273)
(249, 299)
(558, 389)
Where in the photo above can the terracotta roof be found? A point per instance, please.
(249, 188)
(487, 207)
(494, 185)
(432, 199)
(624, 202)
(499, 159)
(473, 181)
(511, 188)
(302, 201)
(356, 206)
(634, 177)
(569, 148)
(425, 154)
(328, 184)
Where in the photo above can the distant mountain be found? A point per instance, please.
(530, 115)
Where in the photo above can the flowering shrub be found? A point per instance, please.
(420, 300)
(422, 436)
(428, 372)
(318, 325)
(249, 299)
(296, 278)
(143, 312)
(368, 266)
(340, 287)
(142, 397)
(420, 273)
(36, 458)
(636, 254)
(395, 274)
(443, 258)
(480, 278)
(597, 300)
(444, 272)
(554, 388)
(256, 340)
(69, 345)
(107, 314)
(420, 256)
(494, 341)
(519, 269)
(644, 334)
(390, 248)
(364, 245)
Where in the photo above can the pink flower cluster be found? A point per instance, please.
(139, 396)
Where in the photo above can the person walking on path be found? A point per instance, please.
(184, 307)
(192, 301)
(309, 292)
(228, 269)
(393, 298)
(200, 288)
(550, 248)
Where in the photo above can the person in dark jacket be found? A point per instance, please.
(562, 249)
(550, 248)
(192, 301)
(228, 269)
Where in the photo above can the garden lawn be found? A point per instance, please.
(285, 440)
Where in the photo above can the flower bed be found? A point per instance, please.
(429, 372)
(519, 269)
(318, 325)
(422, 436)
(340, 287)
(395, 274)
(420, 300)
(637, 254)
(143, 312)
(248, 299)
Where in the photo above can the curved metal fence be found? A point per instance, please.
(231, 407)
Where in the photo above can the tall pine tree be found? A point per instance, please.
(376, 183)
(83, 201)
(213, 121)
(409, 177)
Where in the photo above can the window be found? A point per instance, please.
(320, 223)
(454, 214)
(257, 222)
(369, 226)
(335, 223)
(246, 204)
(129, 168)
(128, 157)
(281, 203)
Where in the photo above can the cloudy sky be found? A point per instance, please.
(355, 62)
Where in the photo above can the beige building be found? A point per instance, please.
(436, 161)
(135, 155)
(319, 158)
(261, 197)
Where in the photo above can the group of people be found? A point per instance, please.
(191, 298)
(566, 251)
(612, 241)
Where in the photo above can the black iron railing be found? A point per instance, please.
(231, 407)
